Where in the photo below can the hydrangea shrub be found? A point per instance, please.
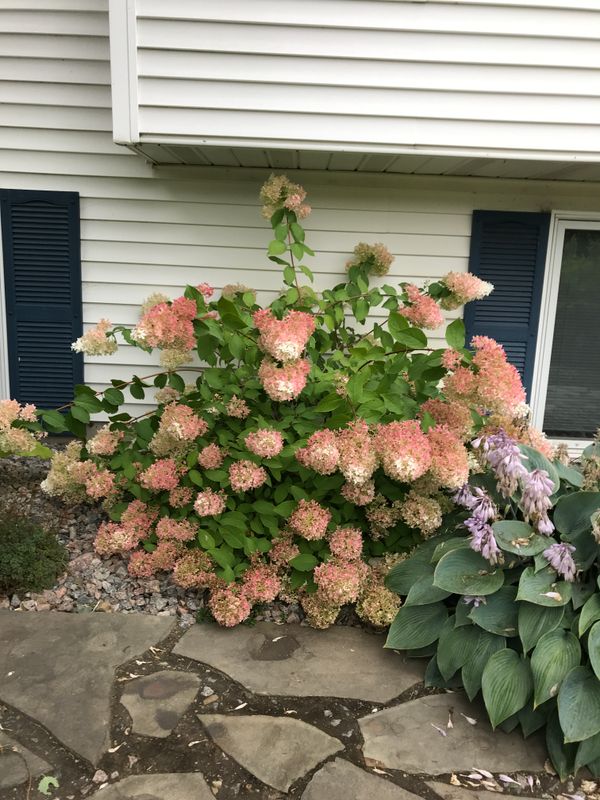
(315, 442)
(506, 603)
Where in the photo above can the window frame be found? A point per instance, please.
(559, 223)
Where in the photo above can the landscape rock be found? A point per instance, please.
(165, 786)
(157, 702)
(271, 659)
(13, 771)
(341, 780)
(277, 750)
(448, 792)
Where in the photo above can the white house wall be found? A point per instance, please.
(145, 230)
(481, 78)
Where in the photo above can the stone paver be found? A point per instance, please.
(293, 660)
(404, 737)
(168, 786)
(59, 669)
(12, 769)
(341, 780)
(459, 793)
(157, 702)
(277, 750)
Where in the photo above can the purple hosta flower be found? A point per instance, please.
(537, 488)
(473, 601)
(483, 506)
(464, 496)
(559, 557)
(504, 457)
(483, 540)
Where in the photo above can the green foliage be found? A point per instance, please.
(31, 558)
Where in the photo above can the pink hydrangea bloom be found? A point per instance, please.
(209, 503)
(95, 341)
(421, 512)
(423, 311)
(455, 416)
(265, 443)
(138, 518)
(206, 290)
(449, 457)
(211, 456)
(229, 606)
(182, 423)
(310, 519)
(285, 382)
(464, 287)
(168, 326)
(382, 516)
(141, 564)
(404, 450)
(284, 339)
(451, 359)
(105, 442)
(17, 440)
(340, 581)
(166, 555)
(360, 494)
(237, 408)
(98, 482)
(194, 570)
(180, 496)
(283, 550)
(245, 475)
(180, 531)
(499, 384)
(260, 584)
(357, 456)
(321, 453)
(346, 543)
(279, 192)
(114, 538)
(320, 611)
(163, 474)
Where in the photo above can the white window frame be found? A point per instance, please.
(559, 223)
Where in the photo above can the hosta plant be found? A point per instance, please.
(306, 439)
(506, 600)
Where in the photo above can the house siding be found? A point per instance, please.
(145, 229)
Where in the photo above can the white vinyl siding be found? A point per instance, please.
(145, 230)
(477, 78)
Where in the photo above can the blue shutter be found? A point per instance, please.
(508, 248)
(42, 278)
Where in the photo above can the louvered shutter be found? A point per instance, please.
(42, 278)
(509, 250)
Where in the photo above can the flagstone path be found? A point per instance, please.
(117, 707)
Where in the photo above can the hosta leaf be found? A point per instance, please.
(588, 751)
(590, 613)
(506, 685)
(402, 576)
(472, 671)
(531, 720)
(573, 511)
(445, 547)
(543, 589)
(454, 648)
(562, 755)
(579, 705)
(554, 657)
(416, 626)
(463, 571)
(535, 621)
(569, 474)
(519, 538)
(594, 648)
(497, 613)
(423, 592)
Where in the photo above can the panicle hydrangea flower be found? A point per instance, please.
(357, 453)
(382, 516)
(206, 290)
(194, 570)
(229, 606)
(166, 555)
(346, 544)
(279, 192)
(421, 512)
(360, 494)
(180, 496)
(464, 287)
(535, 500)
(141, 564)
(451, 359)
(60, 481)
(209, 503)
(284, 339)
(180, 531)
(266, 443)
(155, 299)
(375, 258)
(455, 416)
(163, 474)
(166, 395)
(340, 581)
(404, 450)
(171, 358)
(105, 442)
(138, 518)
(321, 453)
(230, 290)
(483, 540)
(283, 550)
(98, 482)
(113, 537)
(182, 422)
(376, 603)
(423, 311)
(237, 408)
(169, 327)
(286, 382)
(211, 456)
(95, 341)
(560, 558)
(12, 411)
(504, 457)
(449, 457)
(260, 584)
(320, 611)
(310, 520)
(245, 475)
(17, 440)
